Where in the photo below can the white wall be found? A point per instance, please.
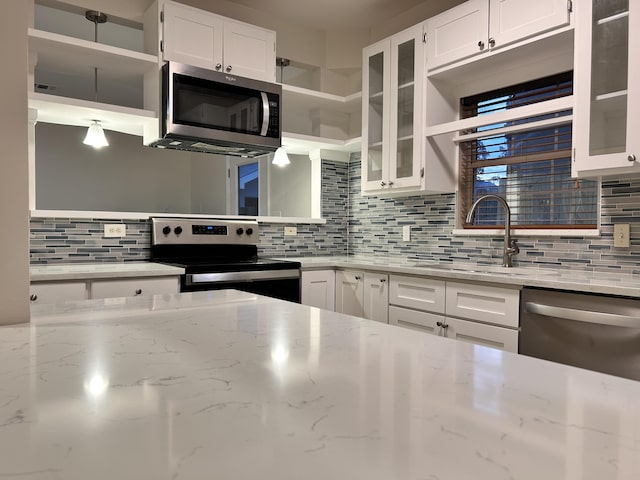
(290, 188)
(126, 176)
(14, 191)
(208, 183)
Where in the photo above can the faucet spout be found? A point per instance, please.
(510, 246)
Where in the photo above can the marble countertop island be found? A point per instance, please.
(230, 385)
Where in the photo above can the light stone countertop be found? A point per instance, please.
(85, 271)
(231, 385)
(563, 279)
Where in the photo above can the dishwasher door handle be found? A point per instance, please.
(610, 319)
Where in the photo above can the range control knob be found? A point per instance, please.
(240, 231)
(177, 230)
(166, 230)
(249, 231)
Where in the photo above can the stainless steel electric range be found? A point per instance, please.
(219, 254)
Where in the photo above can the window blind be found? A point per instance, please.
(529, 167)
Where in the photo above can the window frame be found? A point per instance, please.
(510, 117)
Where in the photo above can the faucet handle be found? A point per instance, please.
(513, 247)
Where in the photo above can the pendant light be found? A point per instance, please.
(281, 158)
(95, 134)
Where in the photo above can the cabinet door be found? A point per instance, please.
(419, 293)
(458, 33)
(483, 302)
(405, 118)
(607, 89)
(513, 20)
(319, 288)
(249, 51)
(375, 112)
(480, 334)
(57, 292)
(350, 293)
(376, 297)
(134, 287)
(192, 36)
(416, 320)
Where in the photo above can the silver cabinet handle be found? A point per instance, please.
(357, 277)
(631, 158)
(138, 291)
(382, 184)
(585, 316)
(218, 66)
(390, 183)
(481, 45)
(33, 297)
(382, 280)
(492, 42)
(228, 68)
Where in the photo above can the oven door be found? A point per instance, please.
(282, 284)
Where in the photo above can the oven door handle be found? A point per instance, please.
(222, 277)
(610, 319)
(266, 115)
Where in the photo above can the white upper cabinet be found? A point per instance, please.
(514, 20)
(607, 88)
(392, 113)
(457, 33)
(203, 39)
(192, 36)
(479, 26)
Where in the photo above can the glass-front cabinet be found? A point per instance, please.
(392, 113)
(607, 88)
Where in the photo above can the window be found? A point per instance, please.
(525, 159)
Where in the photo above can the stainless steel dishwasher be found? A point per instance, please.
(596, 332)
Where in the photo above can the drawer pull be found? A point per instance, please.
(33, 297)
(138, 291)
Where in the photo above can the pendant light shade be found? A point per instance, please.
(95, 136)
(281, 158)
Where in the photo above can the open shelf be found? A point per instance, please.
(74, 55)
(296, 143)
(71, 111)
(296, 97)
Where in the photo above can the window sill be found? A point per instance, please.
(498, 232)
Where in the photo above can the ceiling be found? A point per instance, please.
(316, 14)
(333, 14)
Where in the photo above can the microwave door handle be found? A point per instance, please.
(265, 114)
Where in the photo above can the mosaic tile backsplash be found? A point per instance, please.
(372, 226)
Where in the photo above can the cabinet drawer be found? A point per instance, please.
(133, 287)
(484, 303)
(423, 321)
(418, 293)
(57, 292)
(481, 334)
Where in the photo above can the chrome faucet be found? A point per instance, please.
(510, 245)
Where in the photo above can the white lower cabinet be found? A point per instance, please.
(350, 292)
(376, 297)
(318, 289)
(479, 314)
(134, 286)
(417, 320)
(482, 334)
(57, 292)
(362, 294)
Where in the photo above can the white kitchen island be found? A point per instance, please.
(230, 385)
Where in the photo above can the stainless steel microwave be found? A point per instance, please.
(215, 112)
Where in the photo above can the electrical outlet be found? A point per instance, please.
(621, 235)
(115, 230)
(290, 230)
(406, 233)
